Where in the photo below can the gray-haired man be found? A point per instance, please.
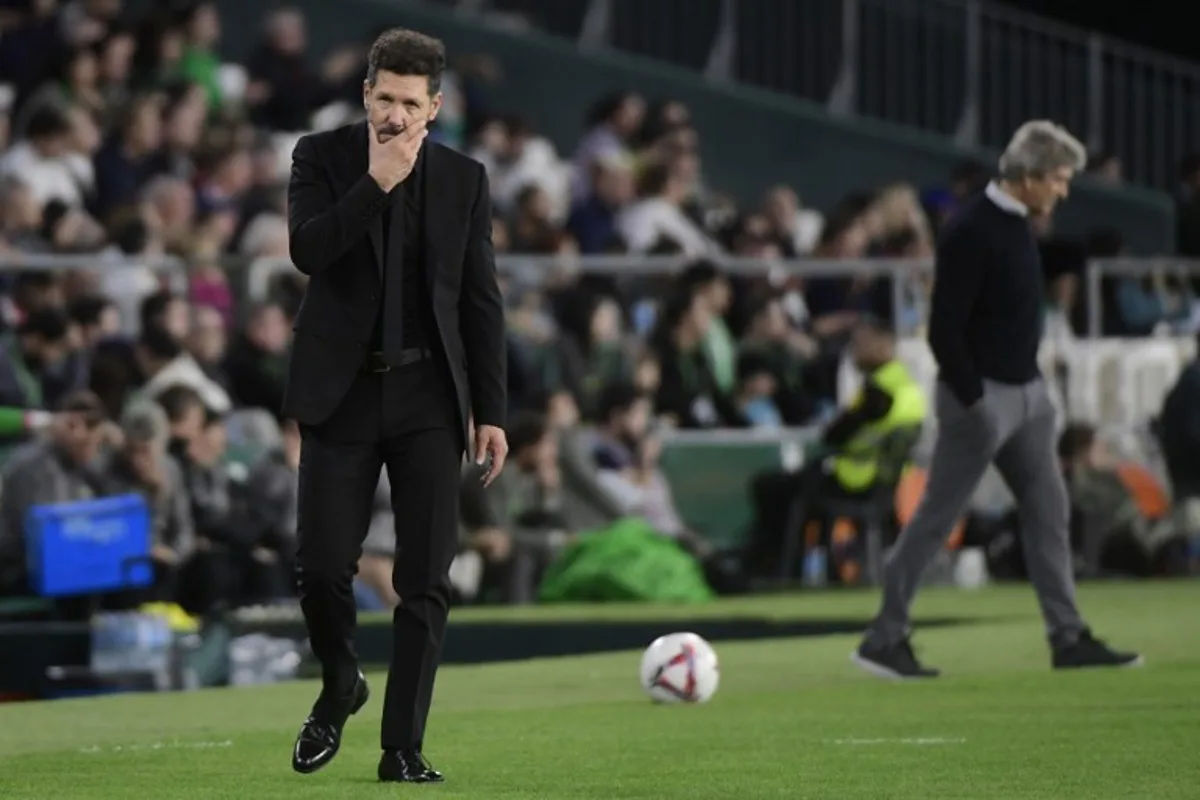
(992, 404)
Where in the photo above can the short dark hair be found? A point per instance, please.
(875, 324)
(86, 404)
(407, 52)
(154, 307)
(1076, 439)
(701, 274)
(178, 400)
(158, 344)
(47, 121)
(50, 324)
(88, 309)
(616, 398)
(526, 429)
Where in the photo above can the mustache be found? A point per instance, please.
(392, 130)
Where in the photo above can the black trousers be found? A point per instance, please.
(404, 419)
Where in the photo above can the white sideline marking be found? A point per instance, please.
(175, 744)
(922, 740)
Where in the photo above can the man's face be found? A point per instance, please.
(1043, 193)
(634, 422)
(772, 323)
(868, 348)
(397, 101)
(190, 425)
(177, 319)
(53, 146)
(75, 437)
(562, 410)
(720, 295)
(271, 330)
(109, 324)
(41, 353)
(615, 186)
(143, 459)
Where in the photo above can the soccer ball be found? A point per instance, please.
(680, 668)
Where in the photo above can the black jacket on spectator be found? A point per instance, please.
(688, 391)
(256, 378)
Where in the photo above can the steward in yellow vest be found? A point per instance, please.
(890, 399)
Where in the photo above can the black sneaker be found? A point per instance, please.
(1088, 651)
(897, 662)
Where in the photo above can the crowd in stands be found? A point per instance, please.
(129, 140)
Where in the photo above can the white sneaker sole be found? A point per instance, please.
(880, 671)
(1137, 662)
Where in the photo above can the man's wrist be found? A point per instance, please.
(383, 184)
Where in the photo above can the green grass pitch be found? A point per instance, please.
(792, 719)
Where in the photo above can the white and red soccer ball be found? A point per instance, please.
(680, 668)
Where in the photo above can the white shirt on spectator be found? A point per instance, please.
(806, 230)
(600, 142)
(64, 178)
(642, 224)
(651, 500)
(184, 371)
(538, 165)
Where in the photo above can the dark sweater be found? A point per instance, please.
(986, 315)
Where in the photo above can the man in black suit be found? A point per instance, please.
(399, 340)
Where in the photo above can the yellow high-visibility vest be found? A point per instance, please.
(856, 465)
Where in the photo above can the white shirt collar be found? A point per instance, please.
(1005, 200)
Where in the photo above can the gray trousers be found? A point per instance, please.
(1014, 427)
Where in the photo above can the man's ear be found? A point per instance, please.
(435, 106)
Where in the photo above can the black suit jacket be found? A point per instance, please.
(336, 214)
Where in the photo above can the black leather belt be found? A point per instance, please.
(375, 361)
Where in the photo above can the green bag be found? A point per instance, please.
(629, 560)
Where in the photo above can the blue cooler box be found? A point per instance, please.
(89, 547)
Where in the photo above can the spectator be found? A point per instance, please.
(530, 502)
(125, 162)
(658, 219)
(720, 350)
(688, 393)
(612, 124)
(32, 361)
(43, 160)
(60, 469)
(627, 452)
(593, 218)
(271, 504)
(256, 360)
(1125, 536)
(143, 466)
(164, 364)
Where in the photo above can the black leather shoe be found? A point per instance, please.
(321, 734)
(407, 766)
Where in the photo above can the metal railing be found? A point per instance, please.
(910, 279)
(968, 69)
(1186, 272)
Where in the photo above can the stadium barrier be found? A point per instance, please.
(1117, 384)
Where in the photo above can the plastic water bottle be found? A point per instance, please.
(815, 567)
(244, 660)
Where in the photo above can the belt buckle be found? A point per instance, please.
(376, 363)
